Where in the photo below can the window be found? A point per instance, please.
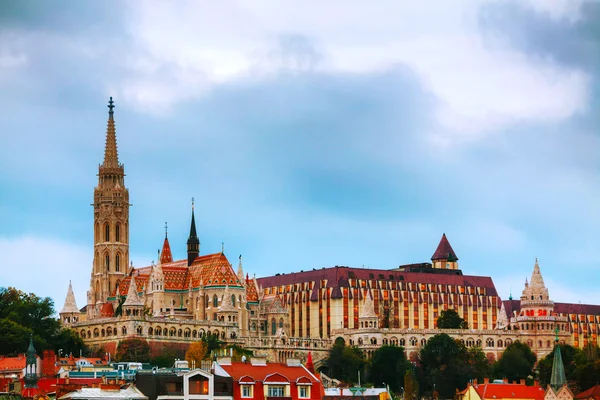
(233, 299)
(247, 391)
(106, 232)
(276, 391)
(215, 301)
(303, 392)
(118, 233)
(107, 262)
(117, 262)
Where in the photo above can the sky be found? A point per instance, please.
(311, 135)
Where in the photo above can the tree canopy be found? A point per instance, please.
(345, 362)
(196, 353)
(133, 349)
(388, 366)
(449, 319)
(447, 365)
(23, 314)
(515, 363)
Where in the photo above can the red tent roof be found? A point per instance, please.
(444, 251)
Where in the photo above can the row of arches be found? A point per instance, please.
(110, 265)
(154, 332)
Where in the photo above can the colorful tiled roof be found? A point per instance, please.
(165, 254)
(251, 292)
(444, 251)
(509, 391)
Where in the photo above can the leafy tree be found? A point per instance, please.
(586, 375)
(133, 349)
(449, 319)
(515, 363)
(345, 362)
(25, 313)
(389, 365)
(167, 357)
(239, 352)
(447, 364)
(13, 336)
(196, 353)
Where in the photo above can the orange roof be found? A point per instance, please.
(107, 310)
(12, 363)
(269, 372)
(509, 391)
(70, 361)
(165, 254)
(251, 293)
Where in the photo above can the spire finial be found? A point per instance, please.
(192, 204)
(166, 229)
(111, 106)
(222, 247)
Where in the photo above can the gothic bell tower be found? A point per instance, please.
(111, 224)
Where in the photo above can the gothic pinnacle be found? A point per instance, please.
(111, 156)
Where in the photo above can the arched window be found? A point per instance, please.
(124, 331)
(215, 301)
(233, 299)
(107, 232)
(97, 232)
(273, 326)
(118, 233)
(107, 262)
(118, 262)
(281, 322)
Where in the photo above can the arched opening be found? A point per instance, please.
(273, 326)
(215, 301)
(97, 233)
(233, 299)
(106, 262)
(118, 233)
(118, 262)
(106, 232)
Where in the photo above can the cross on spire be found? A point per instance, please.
(192, 204)
(166, 229)
(556, 332)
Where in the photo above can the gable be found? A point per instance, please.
(276, 378)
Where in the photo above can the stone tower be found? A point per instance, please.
(111, 224)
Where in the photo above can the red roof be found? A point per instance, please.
(251, 293)
(509, 391)
(593, 392)
(165, 254)
(444, 251)
(269, 372)
(107, 310)
(12, 363)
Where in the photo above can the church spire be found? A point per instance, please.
(70, 304)
(165, 255)
(111, 156)
(193, 243)
(558, 378)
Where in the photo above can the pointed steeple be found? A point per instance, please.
(70, 304)
(111, 155)
(240, 272)
(31, 377)
(558, 378)
(226, 304)
(193, 243)
(165, 254)
(444, 251)
(132, 295)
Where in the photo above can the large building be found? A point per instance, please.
(286, 315)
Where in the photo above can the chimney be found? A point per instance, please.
(536, 383)
(486, 381)
(474, 382)
(504, 380)
(521, 381)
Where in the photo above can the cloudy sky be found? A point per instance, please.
(311, 134)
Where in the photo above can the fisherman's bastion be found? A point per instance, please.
(289, 314)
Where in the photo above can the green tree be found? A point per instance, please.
(213, 343)
(166, 357)
(447, 364)
(389, 365)
(345, 362)
(449, 319)
(133, 349)
(515, 363)
(26, 313)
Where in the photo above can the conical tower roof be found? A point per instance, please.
(165, 254)
(309, 363)
(226, 304)
(444, 251)
(111, 155)
(132, 295)
(70, 304)
(558, 378)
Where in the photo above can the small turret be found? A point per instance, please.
(444, 256)
(193, 243)
(240, 272)
(69, 313)
(165, 254)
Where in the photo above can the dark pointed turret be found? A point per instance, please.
(31, 374)
(193, 243)
(444, 256)
(558, 378)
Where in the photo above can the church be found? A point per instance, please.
(176, 302)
